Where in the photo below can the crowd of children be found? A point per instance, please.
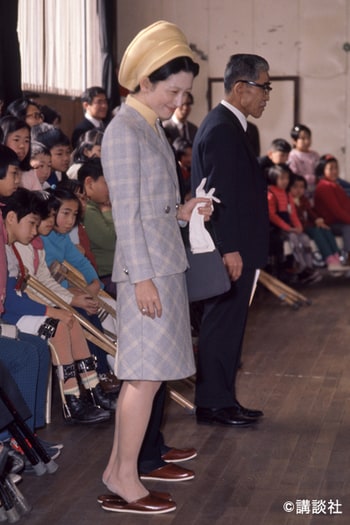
(40, 209)
(309, 208)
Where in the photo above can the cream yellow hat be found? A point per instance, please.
(151, 48)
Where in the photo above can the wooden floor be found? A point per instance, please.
(296, 367)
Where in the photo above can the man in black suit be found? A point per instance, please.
(95, 106)
(223, 153)
(178, 125)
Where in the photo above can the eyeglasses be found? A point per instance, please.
(99, 102)
(266, 87)
(35, 115)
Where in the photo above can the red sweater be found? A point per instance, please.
(332, 203)
(280, 201)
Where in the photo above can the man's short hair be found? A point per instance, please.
(243, 67)
(90, 93)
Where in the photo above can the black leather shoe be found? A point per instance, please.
(79, 411)
(103, 400)
(247, 412)
(223, 416)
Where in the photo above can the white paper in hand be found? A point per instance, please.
(200, 239)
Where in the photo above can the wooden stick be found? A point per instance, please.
(66, 271)
(285, 287)
(180, 399)
(282, 294)
(91, 332)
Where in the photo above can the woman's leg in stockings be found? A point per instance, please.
(132, 416)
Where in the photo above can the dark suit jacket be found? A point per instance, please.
(222, 152)
(173, 133)
(80, 129)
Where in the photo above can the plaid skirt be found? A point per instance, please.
(157, 349)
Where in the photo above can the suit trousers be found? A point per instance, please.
(220, 343)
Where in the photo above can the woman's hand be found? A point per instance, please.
(185, 210)
(147, 298)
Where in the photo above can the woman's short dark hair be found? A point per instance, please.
(297, 129)
(18, 108)
(177, 65)
(243, 67)
(10, 124)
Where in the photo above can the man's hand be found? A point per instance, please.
(234, 265)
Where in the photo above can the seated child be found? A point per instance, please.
(315, 226)
(277, 154)
(59, 247)
(331, 200)
(77, 234)
(88, 147)
(302, 159)
(40, 161)
(284, 218)
(22, 213)
(333, 166)
(98, 221)
(16, 135)
(27, 357)
(60, 149)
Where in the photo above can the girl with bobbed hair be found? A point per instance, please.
(16, 135)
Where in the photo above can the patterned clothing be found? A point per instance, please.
(140, 171)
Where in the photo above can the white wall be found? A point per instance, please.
(300, 37)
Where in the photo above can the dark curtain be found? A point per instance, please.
(107, 20)
(10, 60)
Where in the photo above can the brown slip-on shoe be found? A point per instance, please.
(147, 505)
(169, 472)
(176, 455)
(103, 498)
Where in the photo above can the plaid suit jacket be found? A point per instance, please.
(140, 171)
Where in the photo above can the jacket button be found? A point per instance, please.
(167, 209)
(125, 270)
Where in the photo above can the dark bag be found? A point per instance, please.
(206, 276)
